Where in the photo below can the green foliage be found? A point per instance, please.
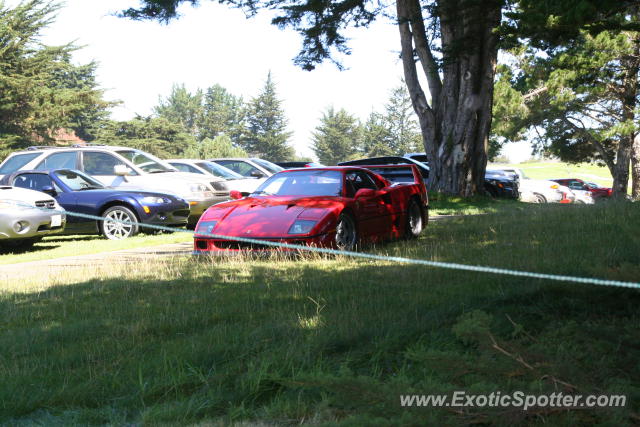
(41, 92)
(401, 121)
(220, 146)
(377, 138)
(266, 132)
(337, 137)
(183, 108)
(157, 136)
(223, 114)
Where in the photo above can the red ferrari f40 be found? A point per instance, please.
(338, 207)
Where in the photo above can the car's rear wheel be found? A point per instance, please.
(539, 198)
(119, 223)
(346, 232)
(414, 224)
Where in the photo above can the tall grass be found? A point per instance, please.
(325, 340)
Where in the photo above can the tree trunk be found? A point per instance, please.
(456, 122)
(635, 168)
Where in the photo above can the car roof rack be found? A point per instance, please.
(43, 147)
(88, 144)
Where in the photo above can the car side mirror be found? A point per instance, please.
(257, 174)
(49, 190)
(121, 170)
(364, 192)
(235, 195)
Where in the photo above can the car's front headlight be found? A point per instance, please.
(154, 200)
(302, 226)
(206, 227)
(197, 188)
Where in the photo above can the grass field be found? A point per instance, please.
(62, 246)
(333, 340)
(550, 170)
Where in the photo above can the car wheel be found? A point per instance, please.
(415, 223)
(539, 198)
(346, 232)
(115, 224)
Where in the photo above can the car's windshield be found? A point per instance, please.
(144, 161)
(271, 167)
(302, 183)
(593, 184)
(16, 162)
(219, 171)
(77, 181)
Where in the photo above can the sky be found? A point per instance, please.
(139, 61)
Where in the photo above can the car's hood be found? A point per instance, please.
(261, 217)
(22, 194)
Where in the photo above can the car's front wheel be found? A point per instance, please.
(119, 223)
(539, 198)
(414, 224)
(346, 232)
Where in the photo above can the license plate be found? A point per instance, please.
(56, 220)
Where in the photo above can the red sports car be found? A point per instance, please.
(337, 207)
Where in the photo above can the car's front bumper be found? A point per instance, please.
(216, 245)
(197, 207)
(30, 223)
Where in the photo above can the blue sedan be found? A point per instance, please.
(78, 192)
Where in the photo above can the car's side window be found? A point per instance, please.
(97, 163)
(576, 185)
(183, 167)
(356, 180)
(32, 181)
(16, 162)
(242, 168)
(65, 160)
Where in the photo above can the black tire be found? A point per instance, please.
(346, 232)
(115, 230)
(415, 220)
(539, 198)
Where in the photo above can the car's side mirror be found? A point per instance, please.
(257, 174)
(235, 195)
(49, 190)
(364, 192)
(121, 170)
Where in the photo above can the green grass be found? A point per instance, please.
(62, 246)
(551, 170)
(445, 204)
(332, 340)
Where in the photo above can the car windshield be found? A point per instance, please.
(271, 167)
(219, 171)
(77, 181)
(593, 184)
(302, 183)
(144, 161)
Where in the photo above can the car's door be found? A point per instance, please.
(371, 209)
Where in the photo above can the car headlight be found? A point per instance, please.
(219, 186)
(197, 188)
(206, 227)
(154, 200)
(302, 226)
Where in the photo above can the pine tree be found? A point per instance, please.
(266, 133)
(377, 139)
(337, 138)
(223, 114)
(220, 146)
(183, 108)
(402, 122)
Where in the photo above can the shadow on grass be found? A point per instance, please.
(285, 342)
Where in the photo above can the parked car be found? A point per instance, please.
(123, 167)
(26, 216)
(501, 186)
(576, 184)
(235, 181)
(79, 193)
(250, 167)
(294, 165)
(537, 190)
(337, 207)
